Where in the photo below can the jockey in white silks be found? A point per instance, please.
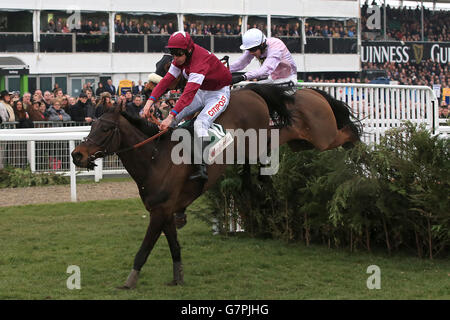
(277, 64)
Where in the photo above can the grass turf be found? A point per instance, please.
(39, 242)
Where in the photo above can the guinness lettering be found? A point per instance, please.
(403, 52)
(381, 54)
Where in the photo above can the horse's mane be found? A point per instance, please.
(147, 128)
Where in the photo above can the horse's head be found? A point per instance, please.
(103, 139)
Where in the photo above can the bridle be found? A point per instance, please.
(105, 144)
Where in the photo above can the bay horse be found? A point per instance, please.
(165, 188)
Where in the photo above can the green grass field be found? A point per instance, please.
(39, 242)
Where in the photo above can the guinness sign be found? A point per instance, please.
(404, 52)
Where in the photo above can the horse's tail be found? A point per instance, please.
(276, 98)
(343, 114)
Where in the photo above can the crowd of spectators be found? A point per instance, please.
(404, 24)
(89, 105)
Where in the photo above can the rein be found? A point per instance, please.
(104, 153)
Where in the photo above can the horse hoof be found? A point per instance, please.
(123, 288)
(175, 283)
(131, 281)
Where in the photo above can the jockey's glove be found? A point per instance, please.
(236, 79)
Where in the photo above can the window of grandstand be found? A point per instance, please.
(331, 36)
(91, 31)
(16, 31)
(143, 32)
(225, 29)
(16, 21)
(289, 30)
(45, 83)
(259, 22)
(13, 84)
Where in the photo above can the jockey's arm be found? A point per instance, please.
(269, 66)
(243, 61)
(194, 82)
(161, 87)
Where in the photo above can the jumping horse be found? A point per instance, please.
(307, 119)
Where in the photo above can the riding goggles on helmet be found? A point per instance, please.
(177, 52)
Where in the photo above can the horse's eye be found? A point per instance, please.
(106, 129)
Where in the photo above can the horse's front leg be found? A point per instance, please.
(157, 221)
(171, 234)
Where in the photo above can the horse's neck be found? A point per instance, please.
(139, 162)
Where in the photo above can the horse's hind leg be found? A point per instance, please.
(171, 234)
(154, 229)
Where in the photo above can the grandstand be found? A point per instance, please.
(89, 42)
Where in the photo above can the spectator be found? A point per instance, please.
(153, 80)
(26, 99)
(38, 94)
(103, 105)
(21, 115)
(104, 28)
(59, 93)
(43, 109)
(131, 28)
(51, 28)
(139, 88)
(59, 25)
(72, 101)
(65, 28)
(154, 28)
(100, 89)
(82, 111)
(48, 99)
(128, 98)
(55, 113)
(445, 114)
(134, 108)
(122, 28)
(64, 103)
(145, 29)
(110, 88)
(170, 28)
(35, 113)
(5, 109)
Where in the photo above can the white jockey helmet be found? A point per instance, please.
(252, 38)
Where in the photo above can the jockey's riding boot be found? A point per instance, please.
(200, 169)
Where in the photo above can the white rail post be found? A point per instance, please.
(98, 170)
(73, 177)
(31, 152)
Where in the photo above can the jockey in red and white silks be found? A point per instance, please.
(277, 64)
(207, 87)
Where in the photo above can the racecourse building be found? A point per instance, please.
(90, 41)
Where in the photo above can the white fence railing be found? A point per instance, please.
(380, 107)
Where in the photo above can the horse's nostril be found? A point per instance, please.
(77, 156)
